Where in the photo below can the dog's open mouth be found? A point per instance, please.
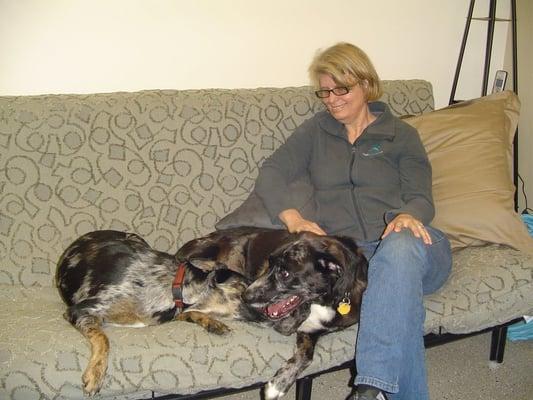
(282, 308)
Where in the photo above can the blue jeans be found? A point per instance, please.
(390, 352)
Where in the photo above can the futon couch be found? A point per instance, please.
(169, 165)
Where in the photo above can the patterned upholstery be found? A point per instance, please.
(168, 165)
(164, 164)
(488, 286)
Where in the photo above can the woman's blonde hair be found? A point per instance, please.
(348, 65)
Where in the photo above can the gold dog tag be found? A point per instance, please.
(344, 306)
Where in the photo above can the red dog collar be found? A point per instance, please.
(177, 286)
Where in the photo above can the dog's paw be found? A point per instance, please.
(272, 392)
(217, 327)
(91, 386)
(210, 324)
(93, 378)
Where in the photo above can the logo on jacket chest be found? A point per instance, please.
(371, 149)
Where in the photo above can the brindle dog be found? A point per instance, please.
(303, 283)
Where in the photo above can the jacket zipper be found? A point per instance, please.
(354, 200)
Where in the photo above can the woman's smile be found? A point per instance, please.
(346, 108)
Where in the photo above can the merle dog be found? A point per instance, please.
(117, 278)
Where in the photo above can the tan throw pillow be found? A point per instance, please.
(469, 145)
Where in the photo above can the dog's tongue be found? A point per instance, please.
(282, 308)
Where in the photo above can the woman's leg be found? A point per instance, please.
(390, 347)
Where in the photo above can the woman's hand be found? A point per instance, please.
(295, 223)
(402, 221)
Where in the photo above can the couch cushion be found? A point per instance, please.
(470, 149)
(489, 285)
(43, 356)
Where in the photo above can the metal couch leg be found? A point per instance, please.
(497, 345)
(304, 386)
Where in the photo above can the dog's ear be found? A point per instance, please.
(330, 264)
(350, 263)
(204, 264)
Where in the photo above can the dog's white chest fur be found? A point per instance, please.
(318, 316)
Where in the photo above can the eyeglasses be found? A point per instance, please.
(338, 91)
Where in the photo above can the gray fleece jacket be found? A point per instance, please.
(358, 188)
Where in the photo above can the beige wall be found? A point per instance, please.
(58, 46)
(84, 46)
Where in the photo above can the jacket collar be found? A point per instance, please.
(383, 128)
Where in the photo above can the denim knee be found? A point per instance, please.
(403, 245)
(407, 253)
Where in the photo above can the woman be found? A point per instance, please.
(372, 181)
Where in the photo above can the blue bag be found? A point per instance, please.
(520, 331)
(528, 220)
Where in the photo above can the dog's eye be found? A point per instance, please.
(284, 274)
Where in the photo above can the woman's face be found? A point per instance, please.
(348, 107)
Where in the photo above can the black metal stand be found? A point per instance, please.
(491, 20)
